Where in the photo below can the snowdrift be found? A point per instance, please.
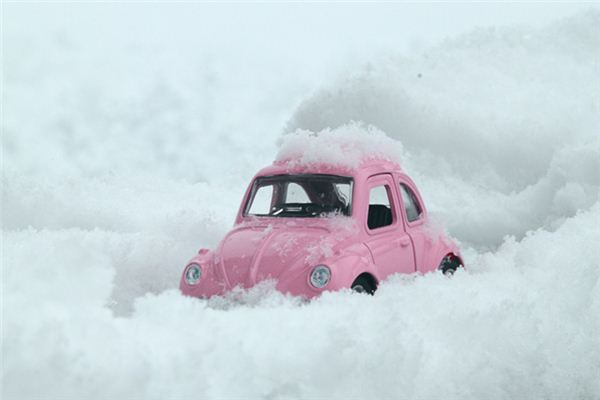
(499, 128)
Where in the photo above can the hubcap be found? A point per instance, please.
(359, 288)
(449, 272)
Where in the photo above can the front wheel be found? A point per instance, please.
(363, 284)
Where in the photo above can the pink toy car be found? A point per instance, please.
(315, 228)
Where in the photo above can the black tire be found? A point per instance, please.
(363, 284)
(450, 264)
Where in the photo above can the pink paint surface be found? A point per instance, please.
(287, 249)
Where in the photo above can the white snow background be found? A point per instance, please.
(130, 131)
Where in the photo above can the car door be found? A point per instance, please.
(414, 216)
(389, 244)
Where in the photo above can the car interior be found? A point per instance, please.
(379, 216)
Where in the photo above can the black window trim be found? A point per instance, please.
(252, 193)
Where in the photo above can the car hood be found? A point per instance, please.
(253, 253)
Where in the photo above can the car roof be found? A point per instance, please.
(368, 166)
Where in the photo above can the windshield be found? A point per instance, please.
(300, 196)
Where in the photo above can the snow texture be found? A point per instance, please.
(346, 146)
(112, 180)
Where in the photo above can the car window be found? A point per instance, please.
(380, 210)
(411, 204)
(302, 196)
(343, 190)
(296, 194)
(262, 200)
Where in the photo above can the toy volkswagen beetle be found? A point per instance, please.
(322, 227)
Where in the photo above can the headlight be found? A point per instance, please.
(320, 276)
(193, 273)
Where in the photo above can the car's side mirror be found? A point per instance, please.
(203, 251)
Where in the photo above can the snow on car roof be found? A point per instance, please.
(347, 147)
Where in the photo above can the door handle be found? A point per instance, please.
(404, 241)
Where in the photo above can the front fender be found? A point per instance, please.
(211, 282)
(345, 266)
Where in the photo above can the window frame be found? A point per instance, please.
(387, 181)
(254, 188)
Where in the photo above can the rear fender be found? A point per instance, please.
(444, 248)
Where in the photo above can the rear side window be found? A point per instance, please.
(380, 210)
(296, 194)
(411, 204)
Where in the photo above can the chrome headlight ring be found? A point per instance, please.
(193, 273)
(320, 276)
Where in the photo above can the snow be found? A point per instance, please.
(347, 146)
(117, 170)
(317, 252)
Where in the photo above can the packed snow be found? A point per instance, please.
(116, 170)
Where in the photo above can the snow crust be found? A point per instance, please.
(111, 184)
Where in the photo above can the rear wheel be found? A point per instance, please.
(363, 284)
(450, 264)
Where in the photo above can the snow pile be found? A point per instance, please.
(507, 328)
(346, 146)
(130, 175)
